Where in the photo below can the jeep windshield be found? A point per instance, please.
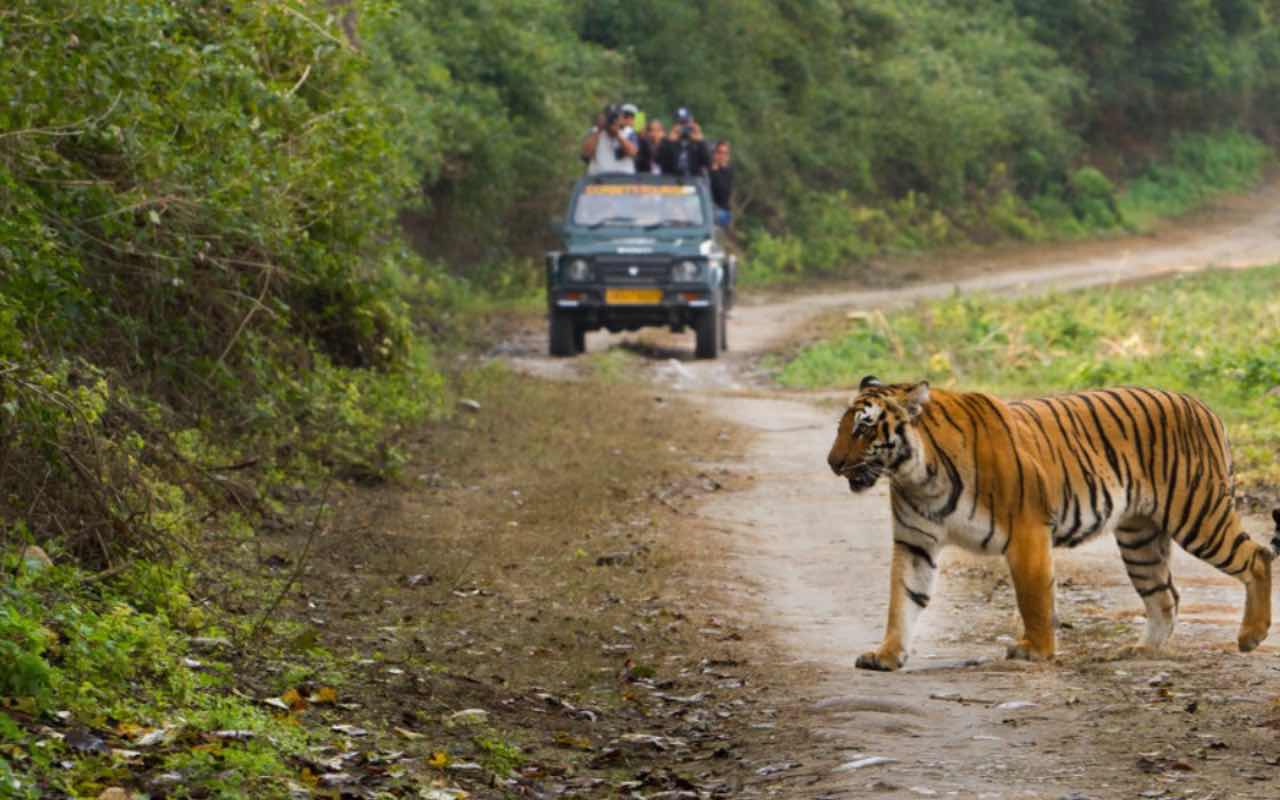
(638, 205)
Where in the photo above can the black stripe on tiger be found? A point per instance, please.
(917, 552)
(919, 598)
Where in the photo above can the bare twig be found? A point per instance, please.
(163, 201)
(301, 81)
(315, 533)
(69, 129)
(262, 295)
(234, 467)
(318, 27)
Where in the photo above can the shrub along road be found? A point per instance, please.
(808, 561)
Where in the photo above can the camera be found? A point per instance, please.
(611, 115)
(684, 120)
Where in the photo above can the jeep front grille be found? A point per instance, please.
(633, 271)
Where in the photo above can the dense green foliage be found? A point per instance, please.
(1198, 167)
(860, 126)
(1150, 336)
(490, 100)
(197, 244)
(204, 302)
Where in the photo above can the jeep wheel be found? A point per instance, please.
(724, 329)
(708, 327)
(563, 335)
(579, 339)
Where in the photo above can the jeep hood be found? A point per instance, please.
(685, 243)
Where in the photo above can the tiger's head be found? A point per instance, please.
(875, 436)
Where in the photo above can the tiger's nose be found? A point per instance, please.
(835, 461)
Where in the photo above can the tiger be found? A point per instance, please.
(1020, 478)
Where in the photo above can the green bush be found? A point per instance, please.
(1198, 167)
(198, 231)
(1093, 199)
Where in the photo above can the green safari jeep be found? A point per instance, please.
(640, 250)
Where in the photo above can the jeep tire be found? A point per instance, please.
(708, 327)
(564, 337)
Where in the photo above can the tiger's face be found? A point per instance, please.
(874, 437)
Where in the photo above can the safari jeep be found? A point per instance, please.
(640, 250)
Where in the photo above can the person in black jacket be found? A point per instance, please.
(650, 145)
(684, 152)
(721, 177)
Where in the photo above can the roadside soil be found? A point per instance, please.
(802, 564)
(524, 614)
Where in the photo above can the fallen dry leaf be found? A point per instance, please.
(325, 695)
(294, 700)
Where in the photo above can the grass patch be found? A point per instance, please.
(1198, 168)
(1215, 335)
(100, 686)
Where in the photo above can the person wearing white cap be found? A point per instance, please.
(605, 148)
(628, 112)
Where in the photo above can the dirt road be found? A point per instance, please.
(808, 561)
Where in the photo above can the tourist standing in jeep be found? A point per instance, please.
(685, 151)
(650, 145)
(605, 148)
(721, 177)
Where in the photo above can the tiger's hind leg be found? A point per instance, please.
(1225, 545)
(1145, 550)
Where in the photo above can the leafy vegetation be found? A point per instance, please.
(198, 247)
(1198, 167)
(1156, 335)
(114, 655)
(859, 127)
(205, 309)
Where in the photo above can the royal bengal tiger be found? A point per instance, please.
(1023, 477)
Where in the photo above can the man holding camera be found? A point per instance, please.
(607, 148)
(684, 152)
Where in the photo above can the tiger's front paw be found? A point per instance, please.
(886, 661)
(1248, 640)
(1024, 650)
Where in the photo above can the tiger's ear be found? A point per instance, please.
(867, 382)
(917, 396)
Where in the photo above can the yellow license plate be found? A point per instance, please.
(624, 297)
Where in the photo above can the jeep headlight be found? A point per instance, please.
(578, 270)
(685, 271)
